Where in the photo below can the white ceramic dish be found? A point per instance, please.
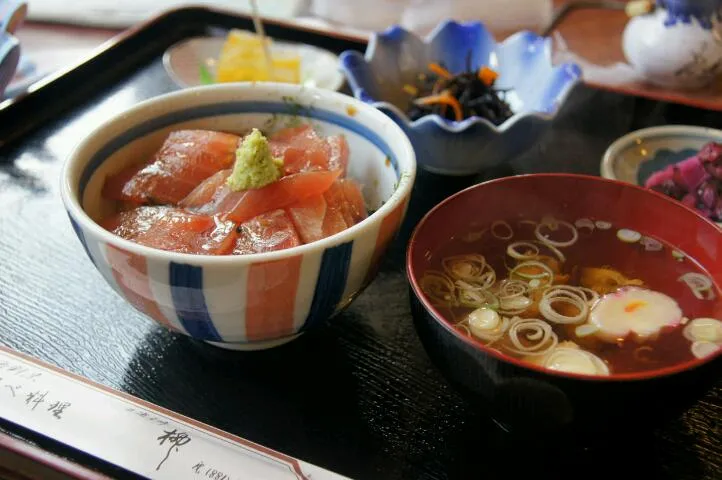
(183, 61)
(635, 156)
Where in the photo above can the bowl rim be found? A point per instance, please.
(70, 194)
(454, 126)
(624, 377)
(615, 148)
(282, 44)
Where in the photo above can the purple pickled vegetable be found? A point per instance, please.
(707, 194)
(671, 189)
(695, 181)
(711, 158)
(688, 174)
(712, 152)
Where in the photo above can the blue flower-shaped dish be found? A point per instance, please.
(537, 89)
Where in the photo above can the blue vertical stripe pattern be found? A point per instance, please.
(81, 237)
(186, 286)
(331, 283)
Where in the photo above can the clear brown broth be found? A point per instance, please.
(659, 270)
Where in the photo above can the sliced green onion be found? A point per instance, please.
(586, 330)
(584, 223)
(500, 223)
(704, 349)
(555, 226)
(703, 330)
(651, 245)
(699, 284)
(602, 225)
(628, 236)
(539, 336)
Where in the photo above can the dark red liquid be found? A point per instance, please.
(659, 270)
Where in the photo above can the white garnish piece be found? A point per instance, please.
(700, 285)
(650, 244)
(486, 324)
(601, 225)
(574, 360)
(703, 330)
(586, 330)
(704, 349)
(628, 236)
(632, 310)
(584, 223)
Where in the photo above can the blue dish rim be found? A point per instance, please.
(574, 72)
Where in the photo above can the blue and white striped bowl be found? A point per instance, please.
(250, 301)
(537, 90)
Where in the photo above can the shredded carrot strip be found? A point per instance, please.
(444, 99)
(439, 70)
(487, 75)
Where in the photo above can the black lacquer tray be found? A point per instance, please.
(360, 396)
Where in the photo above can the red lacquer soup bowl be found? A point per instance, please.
(524, 396)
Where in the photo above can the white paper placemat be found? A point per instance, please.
(133, 434)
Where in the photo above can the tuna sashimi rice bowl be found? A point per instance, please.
(240, 214)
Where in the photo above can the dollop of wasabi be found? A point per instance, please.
(254, 167)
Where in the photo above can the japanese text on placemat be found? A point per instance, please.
(21, 383)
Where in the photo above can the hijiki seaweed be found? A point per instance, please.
(456, 97)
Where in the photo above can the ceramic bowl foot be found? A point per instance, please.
(250, 346)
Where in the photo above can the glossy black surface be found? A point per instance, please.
(530, 403)
(360, 397)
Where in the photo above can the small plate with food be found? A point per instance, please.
(467, 101)
(240, 57)
(680, 161)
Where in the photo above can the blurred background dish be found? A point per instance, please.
(643, 154)
(675, 43)
(9, 57)
(196, 61)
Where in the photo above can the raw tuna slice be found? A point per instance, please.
(336, 209)
(266, 233)
(244, 205)
(204, 193)
(303, 150)
(186, 158)
(308, 215)
(338, 153)
(320, 216)
(355, 199)
(169, 228)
